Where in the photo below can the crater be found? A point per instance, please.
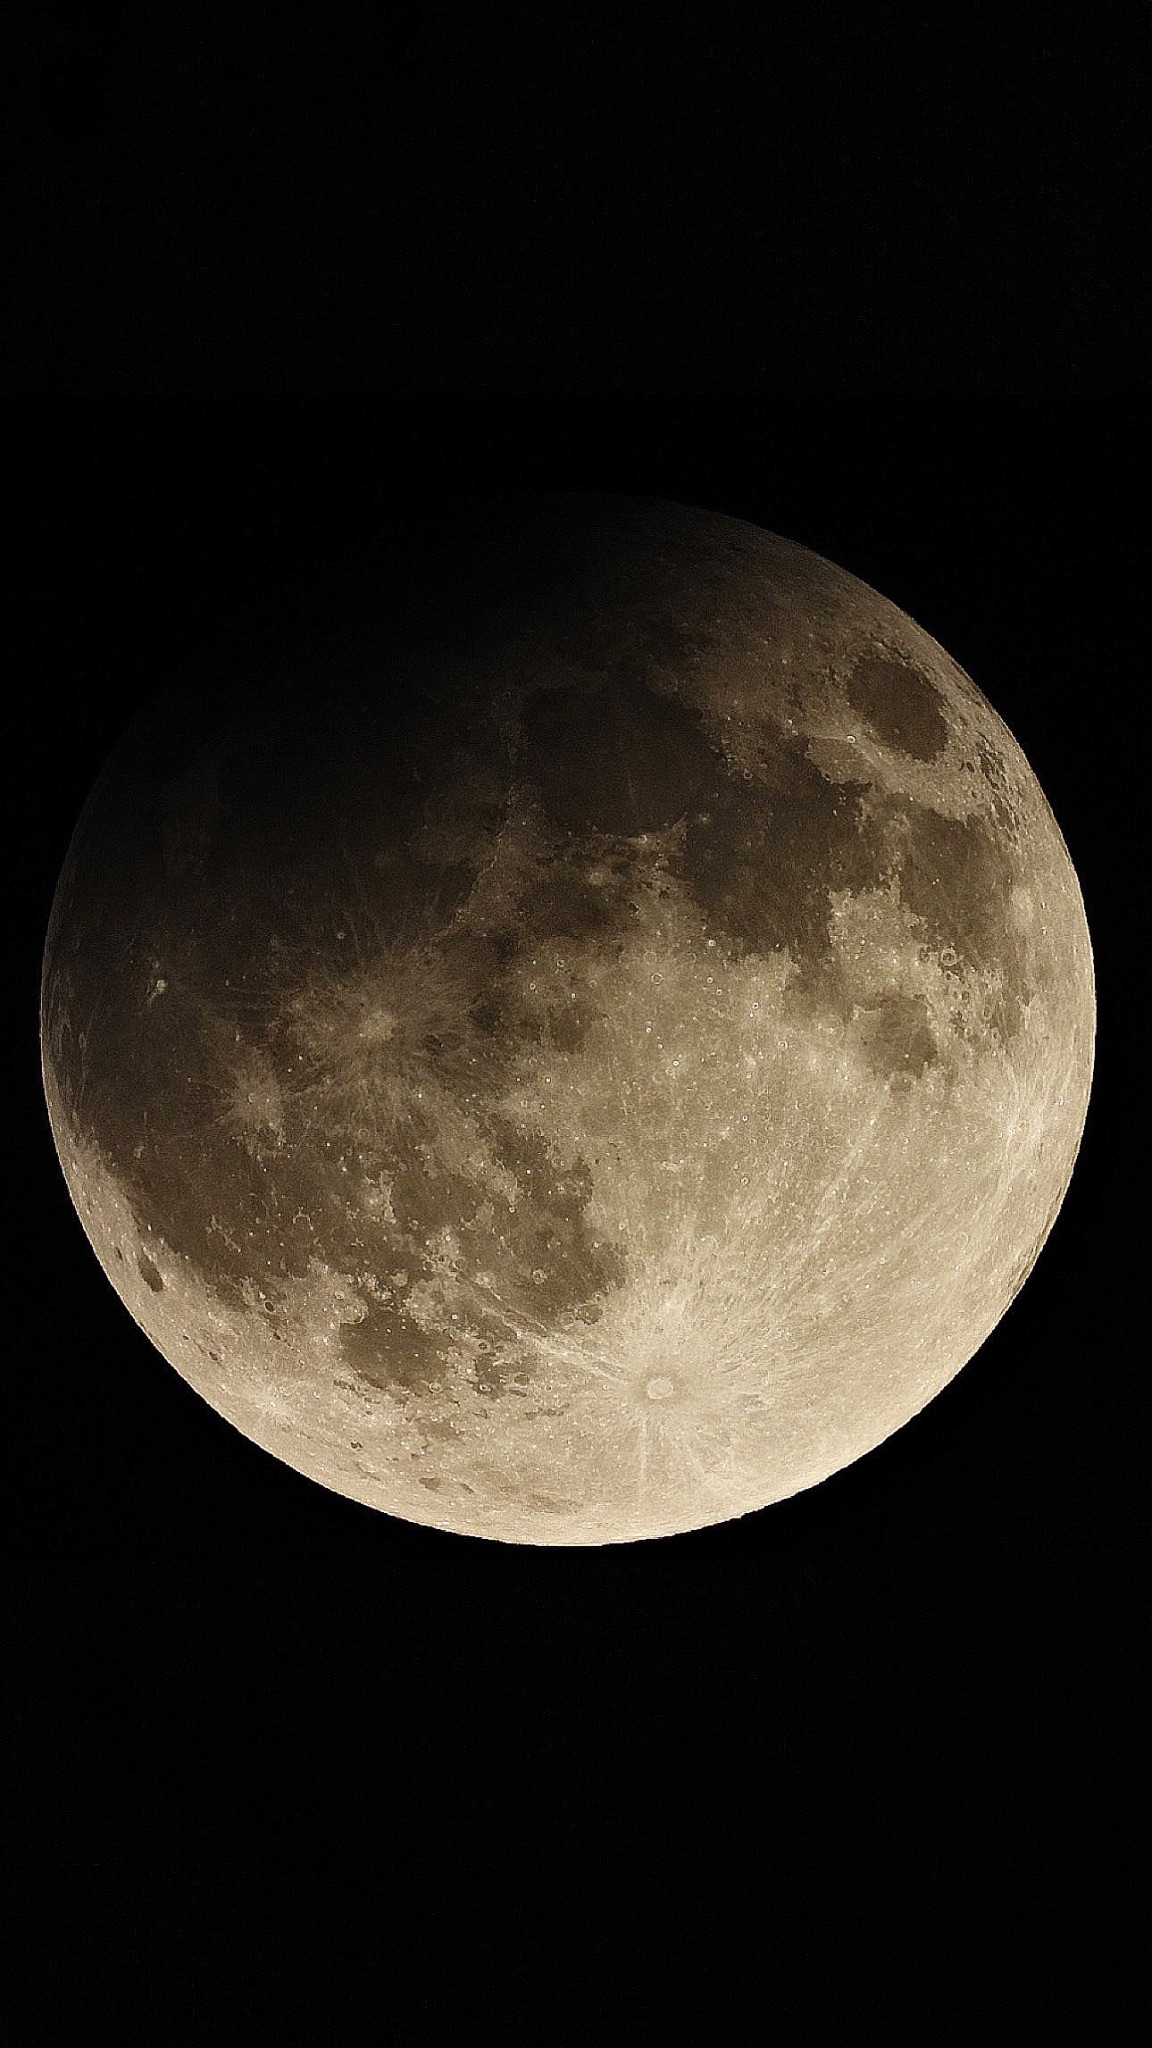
(149, 1273)
(896, 1036)
(389, 1351)
(901, 706)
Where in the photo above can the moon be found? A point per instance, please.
(576, 1036)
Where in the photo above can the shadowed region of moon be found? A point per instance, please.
(577, 1034)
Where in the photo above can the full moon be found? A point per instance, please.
(578, 1035)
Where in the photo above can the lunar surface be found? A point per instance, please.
(580, 1039)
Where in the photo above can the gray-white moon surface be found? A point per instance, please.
(583, 1041)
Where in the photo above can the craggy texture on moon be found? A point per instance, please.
(583, 1041)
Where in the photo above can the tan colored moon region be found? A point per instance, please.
(582, 1042)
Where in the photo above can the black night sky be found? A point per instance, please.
(856, 1766)
(427, 200)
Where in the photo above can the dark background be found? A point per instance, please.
(556, 200)
(858, 1765)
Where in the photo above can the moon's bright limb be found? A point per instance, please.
(586, 1047)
